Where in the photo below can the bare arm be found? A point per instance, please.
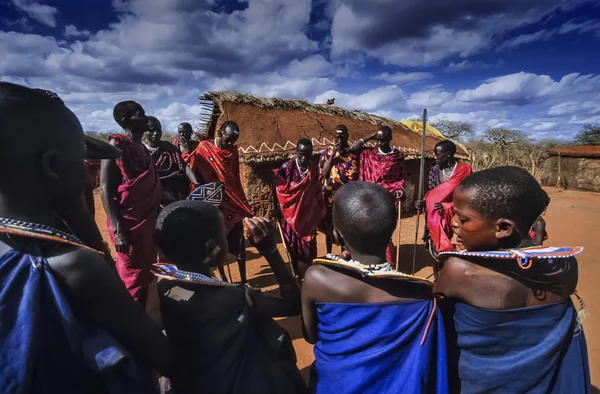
(358, 145)
(262, 236)
(192, 176)
(283, 169)
(97, 293)
(328, 164)
(110, 180)
(310, 318)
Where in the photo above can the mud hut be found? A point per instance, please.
(270, 128)
(573, 167)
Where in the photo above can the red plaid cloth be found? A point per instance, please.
(167, 159)
(135, 158)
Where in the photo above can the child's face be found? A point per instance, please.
(472, 231)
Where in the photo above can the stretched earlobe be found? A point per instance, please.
(505, 228)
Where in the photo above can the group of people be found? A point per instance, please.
(73, 321)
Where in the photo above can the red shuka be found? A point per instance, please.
(439, 226)
(214, 164)
(302, 204)
(139, 199)
(385, 170)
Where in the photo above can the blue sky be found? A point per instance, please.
(532, 65)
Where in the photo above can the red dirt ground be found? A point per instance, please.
(572, 218)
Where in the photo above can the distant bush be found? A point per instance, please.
(504, 147)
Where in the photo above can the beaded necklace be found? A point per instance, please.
(303, 173)
(384, 267)
(38, 231)
(447, 177)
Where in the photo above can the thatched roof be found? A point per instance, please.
(294, 105)
(270, 127)
(577, 151)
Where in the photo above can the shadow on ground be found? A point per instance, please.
(423, 260)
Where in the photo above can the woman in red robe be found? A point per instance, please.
(444, 178)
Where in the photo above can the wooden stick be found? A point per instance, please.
(421, 177)
(287, 252)
(399, 234)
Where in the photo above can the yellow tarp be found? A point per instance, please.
(417, 127)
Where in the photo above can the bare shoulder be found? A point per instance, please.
(316, 276)
(79, 266)
(457, 276)
(480, 286)
(326, 280)
(325, 284)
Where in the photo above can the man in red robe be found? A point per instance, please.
(444, 178)
(175, 176)
(383, 165)
(300, 196)
(184, 141)
(131, 194)
(220, 162)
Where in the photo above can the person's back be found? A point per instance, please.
(68, 324)
(223, 337)
(510, 316)
(374, 330)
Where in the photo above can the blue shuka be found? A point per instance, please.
(45, 348)
(539, 349)
(395, 347)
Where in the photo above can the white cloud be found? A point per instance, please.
(542, 35)
(272, 85)
(389, 97)
(416, 33)
(312, 66)
(176, 113)
(404, 78)
(574, 107)
(527, 88)
(467, 65)
(40, 12)
(431, 98)
(592, 25)
(72, 32)
(545, 126)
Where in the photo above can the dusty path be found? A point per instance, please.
(572, 218)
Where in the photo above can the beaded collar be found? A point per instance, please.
(171, 272)
(379, 271)
(384, 267)
(38, 231)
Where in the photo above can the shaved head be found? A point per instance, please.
(43, 140)
(184, 228)
(365, 215)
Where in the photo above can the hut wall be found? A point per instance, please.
(576, 173)
(262, 128)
